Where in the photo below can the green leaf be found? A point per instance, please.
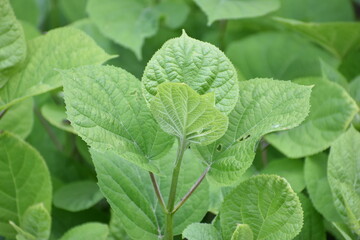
(242, 232)
(73, 10)
(129, 191)
(106, 108)
(131, 27)
(344, 177)
(339, 38)
(174, 12)
(19, 118)
(265, 106)
(222, 10)
(318, 187)
(313, 228)
(28, 10)
(182, 112)
(267, 204)
(201, 231)
(354, 91)
(279, 55)
(77, 196)
(61, 48)
(200, 65)
(117, 231)
(98, 231)
(332, 110)
(25, 181)
(332, 74)
(55, 114)
(350, 65)
(12, 40)
(290, 169)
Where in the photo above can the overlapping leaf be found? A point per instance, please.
(201, 231)
(93, 230)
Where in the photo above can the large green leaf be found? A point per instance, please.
(105, 106)
(267, 204)
(279, 55)
(55, 114)
(332, 110)
(28, 10)
(61, 48)
(318, 187)
(25, 181)
(200, 65)
(242, 232)
(19, 118)
(265, 106)
(201, 231)
(77, 196)
(73, 10)
(98, 231)
(129, 191)
(236, 9)
(339, 38)
(182, 112)
(344, 177)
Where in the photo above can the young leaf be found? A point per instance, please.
(242, 232)
(24, 179)
(77, 196)
(222, 10)
(61, 48)
(332, 110)
(200, 65)
(267, 204)
(98, 231)
(265, 106)
(201, 231)
(182, 112)
(344, 177)
(37, 222)
(105, 106)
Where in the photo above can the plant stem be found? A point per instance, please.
(2, 113)
(192, 190)
(172, 195)
(158, 192)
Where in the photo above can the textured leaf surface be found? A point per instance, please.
(55, 114)
(267, 204)
(24, 181)
(332, 110)
(265, 106)
(131, 196)
(242, 232)
(236, 9)
(279, 55)
(201, 231)
(98, 231)
(77, 196)
(339, 38)
(318, 187)
(37, 222)
(105, 106)
(344, 177)
(61, 48)
(19, 118)
(200, 65)
(182, 112)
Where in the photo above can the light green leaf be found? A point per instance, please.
(55, 114)
(200, 65)
(77, 196)
(73, 10)
(242, 232)
(265, 106)
(30, 31)
(28, 10)
(37, 222)
(12, 40)
(332, 110)
(98, 231)
(236, 9)
(174, 12)
(106, 108)
(138, 21)
(61, 48)
(201, 231)
(182, 112)
(290, 169)
(267, 204)
(318, 187)
(25, 181)
(332, 74)
(313, 228)
(19, 118)
(117, 231)
(354, 91)
(339, 38)
(129, 191)
(279, 55)
(344, 177)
